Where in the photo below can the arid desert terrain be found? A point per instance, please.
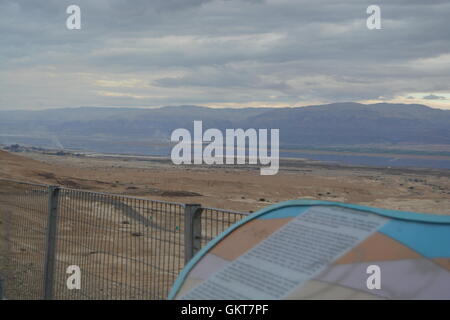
(239, 188)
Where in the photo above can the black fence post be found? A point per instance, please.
(49, 268)
(192, 230)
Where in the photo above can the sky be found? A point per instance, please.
(223, 53)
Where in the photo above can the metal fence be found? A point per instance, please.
(23, 225)
(214, 221)
(125, 247)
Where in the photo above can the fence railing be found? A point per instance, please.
(124, 247)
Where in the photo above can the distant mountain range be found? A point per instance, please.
(325, 125)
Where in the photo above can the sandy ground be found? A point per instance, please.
(237, 188)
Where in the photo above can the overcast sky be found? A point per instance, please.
(146, 53)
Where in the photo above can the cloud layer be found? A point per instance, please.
(222, 53)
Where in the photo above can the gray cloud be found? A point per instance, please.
(214, 51)
(434, 97)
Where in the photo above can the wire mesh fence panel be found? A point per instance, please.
(23, 224)
(120, 247)
(215, 221)
(126, 248)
